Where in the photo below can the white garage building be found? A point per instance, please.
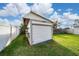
(40, 29)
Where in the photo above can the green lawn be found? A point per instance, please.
(62, 44)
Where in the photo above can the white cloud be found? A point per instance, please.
(14, 9)
(9, 10)
(16, 22)
(3, 13)
(56, 17)
(42, 8)
(23, 8)
(66, 20)
(4, 21)
(71, 16)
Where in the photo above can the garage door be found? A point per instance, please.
(41, 33)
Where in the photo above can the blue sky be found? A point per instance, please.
(2, 5)
(56, 6)
(65, 6)
(67, 9)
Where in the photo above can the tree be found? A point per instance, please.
(22, 29)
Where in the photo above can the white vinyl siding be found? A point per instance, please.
(76, 31)
(7, 34)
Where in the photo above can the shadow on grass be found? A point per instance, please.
(20, 47)
(52, 48)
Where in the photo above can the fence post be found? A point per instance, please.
(10, 31)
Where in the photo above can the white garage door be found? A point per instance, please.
(41, 33)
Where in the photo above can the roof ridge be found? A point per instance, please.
(42, 16)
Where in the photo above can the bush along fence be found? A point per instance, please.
(7, 34)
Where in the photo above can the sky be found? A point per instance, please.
(65, 6)
(63, 12)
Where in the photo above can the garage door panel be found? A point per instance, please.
(41, 33)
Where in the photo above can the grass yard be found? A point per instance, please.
(62, 44)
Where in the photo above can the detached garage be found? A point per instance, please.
(39, 28)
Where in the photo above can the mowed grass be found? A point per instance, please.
(60, 45)
(69, 41)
